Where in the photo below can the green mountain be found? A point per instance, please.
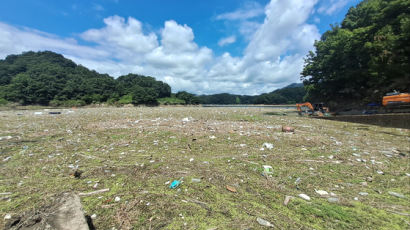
(290, 94)
(47, 78)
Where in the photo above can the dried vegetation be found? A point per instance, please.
(136, 152)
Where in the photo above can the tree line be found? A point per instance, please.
(48, 78)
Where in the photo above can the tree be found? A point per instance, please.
(126, 84)
(363, 58)
(237, 100)
(190, 99)
(147, 96)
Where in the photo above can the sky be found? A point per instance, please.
(201, 46)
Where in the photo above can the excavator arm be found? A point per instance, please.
(306, 104)
(317, 109)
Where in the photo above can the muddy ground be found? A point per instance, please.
(400, 120)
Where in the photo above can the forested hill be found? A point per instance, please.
(47, 78)
(290, 94)
(362, 59)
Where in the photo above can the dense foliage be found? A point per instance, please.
(289, 95)
(47, 78)
(365, 57)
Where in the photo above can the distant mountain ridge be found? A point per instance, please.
(293, 85)
(289, 94)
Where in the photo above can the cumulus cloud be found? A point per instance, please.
(227, 40)
(273, 57)
(177, 38)
(124, 39)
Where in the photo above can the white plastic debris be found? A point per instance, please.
(185, 119)
(380, 172)
(94, 216)
(333, 199)
(242, 145)
(268, 145)
(5, 138)
(267, 169)
(192, 159)
(397, 194)
(117, 199)
(322, 192)
(212, 137)
(38, 113)
(304, 196)
(297, 181)
(6, 159)
(7, 217)
(264, 222)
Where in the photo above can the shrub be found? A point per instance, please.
(171, 101)
(126, 99)
(3, 101)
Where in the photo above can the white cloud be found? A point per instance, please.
(333, 6)
(273, 58)
(282, 32)
(245, 18)
(16, 40)
(248, 29)
(177, 38)
(124, 39)
(250, 10)
(227, 40)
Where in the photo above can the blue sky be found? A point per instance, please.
(202, 46)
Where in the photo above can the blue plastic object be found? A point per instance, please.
(175, 184)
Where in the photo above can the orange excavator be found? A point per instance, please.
(396, 101)
(317, 109)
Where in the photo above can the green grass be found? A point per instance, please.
(171, 101)
(135, 151)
